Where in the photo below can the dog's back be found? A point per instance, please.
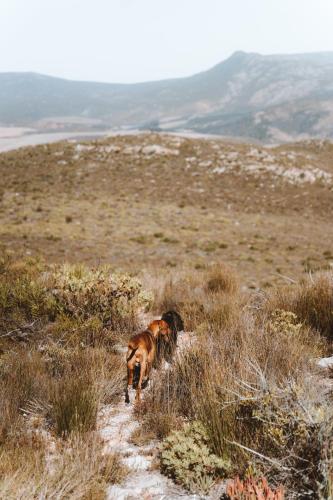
(143, 340)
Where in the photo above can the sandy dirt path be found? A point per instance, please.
(144, 480)
(116, 425)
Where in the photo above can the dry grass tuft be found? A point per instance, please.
(221, 279)
(311, 300)
(80, 470)
(210, 293)
(74, 406)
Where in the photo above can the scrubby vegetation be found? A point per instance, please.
(311, 301)
(252, 489)
(247, 378)
(82, 293)
(244, 398)
(250, 379)
(57, 366)
(186, 457)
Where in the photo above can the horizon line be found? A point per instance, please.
(233, 54)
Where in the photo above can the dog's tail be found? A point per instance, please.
(132, 354)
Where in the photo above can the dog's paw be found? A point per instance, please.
(145, 383)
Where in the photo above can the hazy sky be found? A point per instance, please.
(137, 40)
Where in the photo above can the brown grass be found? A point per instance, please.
(80, 470)
(311, 300)
(211, 292)
(246, 379)
(59, 391)
(53, 380)
(221, 279)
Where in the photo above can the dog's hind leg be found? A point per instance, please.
(147, 374)
(137, 369)
(130, 371)
(143, 368)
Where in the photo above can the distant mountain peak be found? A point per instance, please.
(241, 54)
(238, 54)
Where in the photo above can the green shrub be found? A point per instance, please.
(23, 295)
(187, 458)
(285, 427)
(83, 293)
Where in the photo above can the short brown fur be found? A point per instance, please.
(142, 351)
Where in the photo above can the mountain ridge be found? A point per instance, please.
(251, 89)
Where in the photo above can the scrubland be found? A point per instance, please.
(95, 240)
(245, 398)
(250, 379)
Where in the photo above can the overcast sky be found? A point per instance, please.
(138, 40)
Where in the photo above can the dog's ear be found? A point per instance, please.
(164, 328)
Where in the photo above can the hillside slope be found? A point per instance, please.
(158, 201)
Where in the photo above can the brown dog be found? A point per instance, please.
(142, 351)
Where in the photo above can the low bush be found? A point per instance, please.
(284, 323)
(187, 458)
(84, 293)
(86, 305)
(23, 298)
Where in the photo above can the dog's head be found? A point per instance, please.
(174, 321)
